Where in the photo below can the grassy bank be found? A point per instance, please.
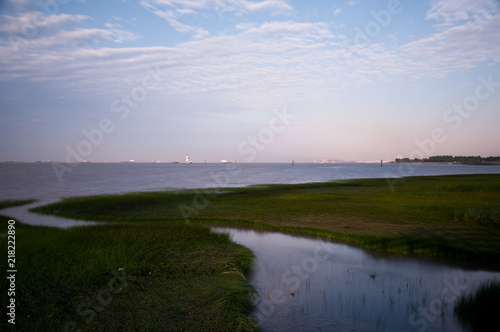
(148, 277)
(479, 310)
(451, 216)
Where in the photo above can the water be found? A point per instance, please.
(331, 284)
(307, 284)
(41, 182)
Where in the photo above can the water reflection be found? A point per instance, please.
(307, 284)
(21, 213)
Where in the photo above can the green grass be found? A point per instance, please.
(178, 276)
(479, 310)
(175, 277)
(449, 216)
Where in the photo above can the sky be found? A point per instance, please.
(248, 80)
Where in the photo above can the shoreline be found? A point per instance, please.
(369, 212)
(488, 163)
(201, 275)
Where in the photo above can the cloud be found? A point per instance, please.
(453, 11)
(275, 7)
(266, 64)
(35, 23)
(256, 65)
(37, 32)
(174, 10)
(466, 35)
(172, 18)
(280, 28)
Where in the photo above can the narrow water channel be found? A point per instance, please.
(21, 213)
(311, 284)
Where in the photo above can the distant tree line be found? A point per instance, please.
(450, 159)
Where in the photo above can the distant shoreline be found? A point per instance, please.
(490, 163)
(484, 163)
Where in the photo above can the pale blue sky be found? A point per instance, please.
(157, 79)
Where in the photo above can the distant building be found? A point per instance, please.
(326, 161)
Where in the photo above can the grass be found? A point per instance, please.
(479, 310)
(148, 277)
(149, 269)
(450, 216)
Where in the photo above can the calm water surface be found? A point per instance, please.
(307, 284)
(40, 181)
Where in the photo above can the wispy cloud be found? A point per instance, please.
(465, 38)
(34, 24)
(256, 64)
(173, 11)
(275, 7)
(449, 12)
(172, 17)
(36, 32)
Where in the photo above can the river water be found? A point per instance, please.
(312, 284)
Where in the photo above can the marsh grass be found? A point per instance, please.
(176, 278)
(449, 216)
(480, 309)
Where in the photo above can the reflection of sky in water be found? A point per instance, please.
(95, 178)
(333, 290)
